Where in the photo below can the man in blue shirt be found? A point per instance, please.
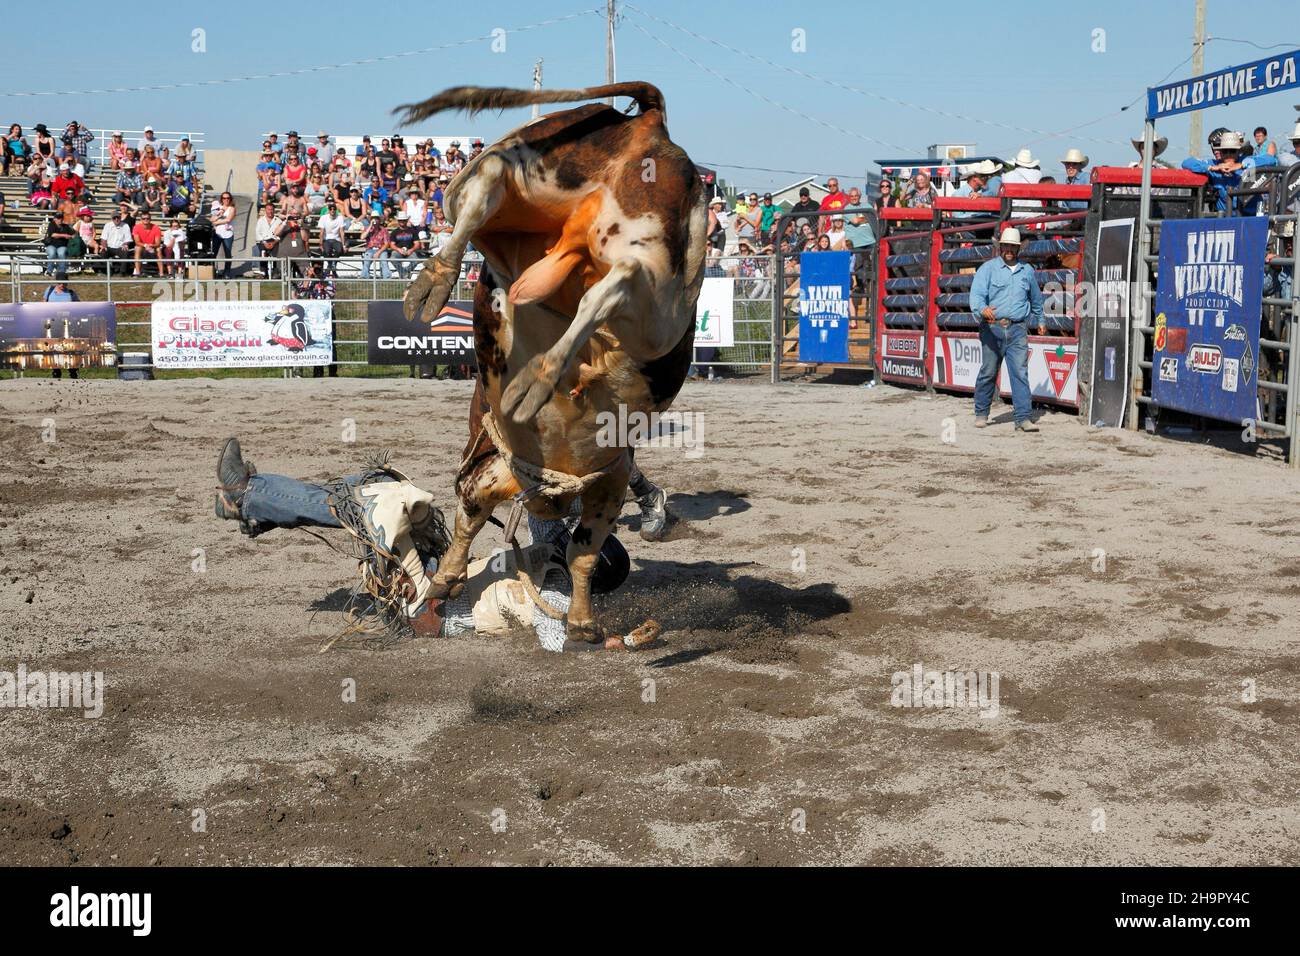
(1075, 162)
(1006, 298)
(1225, 171)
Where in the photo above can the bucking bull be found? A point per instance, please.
(592, 225)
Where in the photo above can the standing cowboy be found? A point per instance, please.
(1006, 297)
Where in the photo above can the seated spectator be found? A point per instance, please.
(341, 187)
(147, 236)
(69, 180)
(294, 204)
(317, 193)
(86, 231)
(148, 141)
(115, 241)
(835, 199)
(118, 151)
(58, 233)
(375, 241)
(152, 198)
(1264, 145)
(835, 232)
(354, 210)
(295, 173)
(17, 151)
(150, 163)
(376, 197)
(184, 168)
(454, 161)
(415, 207)
(42, 194)
(45, 145)
(404, 245)
(173, 244)
(885, 197)
(439, 231)
(180, 198)
(270, 230)
(76, 140)
(340, 161)
(274, 145)
(185, 152)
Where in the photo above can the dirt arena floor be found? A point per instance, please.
(832, 538)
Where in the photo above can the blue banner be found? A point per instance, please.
(824, 306)
(1206, 349)
(1234, 83)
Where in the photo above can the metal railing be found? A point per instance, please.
(98, 147)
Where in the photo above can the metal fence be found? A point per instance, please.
(98, 147)
(92, 281)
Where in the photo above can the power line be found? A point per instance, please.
(766, 99)
(323, 68)
(844, 86)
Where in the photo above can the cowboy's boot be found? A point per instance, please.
(232, 480)
(654, 514)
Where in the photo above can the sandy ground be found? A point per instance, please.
(832, 539)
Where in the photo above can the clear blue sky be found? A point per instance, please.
(1018, 64)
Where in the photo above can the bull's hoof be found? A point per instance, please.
(448, 586)
(429, 292)
(588, 632)
(530, 390)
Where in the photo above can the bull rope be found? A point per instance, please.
(537, 480)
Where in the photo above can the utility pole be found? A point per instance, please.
(1198, 67)
(537, 83)
(609, 45)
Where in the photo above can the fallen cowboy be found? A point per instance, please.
(401, 537)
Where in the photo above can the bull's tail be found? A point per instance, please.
(476, 99)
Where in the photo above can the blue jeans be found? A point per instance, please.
(370, 255)
(57, 256)
(275, 501)
(1012, 346)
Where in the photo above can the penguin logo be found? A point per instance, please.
(289, 327)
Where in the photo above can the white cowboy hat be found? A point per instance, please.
(1295, 133)
(717, 201)
(1026, 159)
(1074, 156)
(1160, 143)
(1010, 237)
(985, 167)
(1231, 141)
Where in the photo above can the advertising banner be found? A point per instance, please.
(715, 313)
(1228, 85)
(1205, 355)
(824, 309)
(1110, 309)
(447, 340)
(1053, 367)
(50, 335)
(242, 334)
(901, 355)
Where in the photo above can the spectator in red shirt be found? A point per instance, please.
(66, 180)
(148, 242)
(834, 200)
